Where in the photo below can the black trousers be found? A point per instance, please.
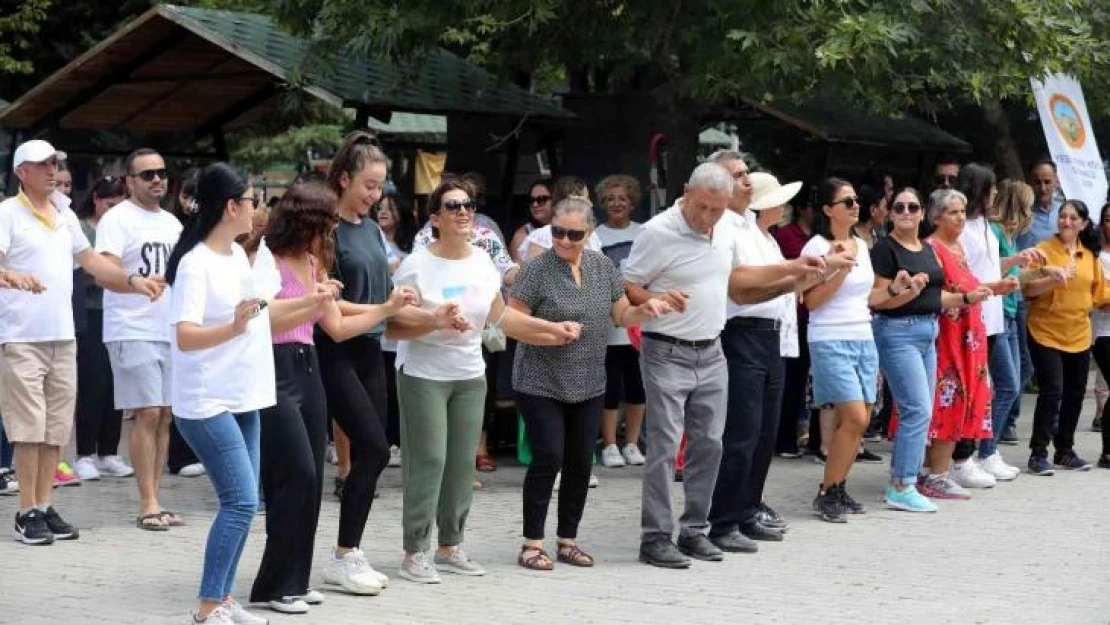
(354, 383)
(563, 437)
(1101, 352)
(98, 422)
(1062, 383)
(393, 411)
(180, 455)
(795, 375)
(753, 350)
(294, 437)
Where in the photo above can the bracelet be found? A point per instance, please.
(890, 290)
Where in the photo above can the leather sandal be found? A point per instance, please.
(541, 561)
(574, 556)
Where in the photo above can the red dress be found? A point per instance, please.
(962, 404)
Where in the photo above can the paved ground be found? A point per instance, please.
(1035, 551)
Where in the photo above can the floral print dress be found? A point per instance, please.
(962, 404)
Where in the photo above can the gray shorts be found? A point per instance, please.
(140, 373)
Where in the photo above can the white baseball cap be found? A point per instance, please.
(768, 193)
(36, 151)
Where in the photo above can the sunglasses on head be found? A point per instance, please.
(148, 175)
(454, 206)
(849, 202)
(541, 199)
(566, 233)
(903, 207)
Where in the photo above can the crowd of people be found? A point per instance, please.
(251, 345)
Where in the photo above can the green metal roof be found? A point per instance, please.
(442, 83)
(413, 127)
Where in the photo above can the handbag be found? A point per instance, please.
(493, 337)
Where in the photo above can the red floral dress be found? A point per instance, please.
(962, 404)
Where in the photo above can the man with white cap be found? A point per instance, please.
(41, 236)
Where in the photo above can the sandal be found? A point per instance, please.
(574, 556)
(538, 562)
(172, 519)
(485, 463)
(143, 522)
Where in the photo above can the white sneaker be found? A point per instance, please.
(594, 481)
(85, 468)
(611, 457)
(192, 470)
(314, 597)
(558, 481)
(290, 605)
(114, 466)
(459, 563)
(996, 466)
(394, 456)
(419, 568)
(332, 455)
(353, 574)
(219, 616)
(632, 455)
(239, 615)
(970, 475)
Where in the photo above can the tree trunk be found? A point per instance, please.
(1006, 158)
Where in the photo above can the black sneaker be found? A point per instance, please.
(828, 505)
(1096, 424)
(8, 483)
(867, 456)
(662, 552)
(58, 527)
(700, 547)
(1104, 461)
(339, 484)
(1039, 465)
(1009, 436)
(1069, 460)
(851, 506)
(31, 529)
(769, 518)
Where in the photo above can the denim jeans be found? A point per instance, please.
(1025, 366)
(1005, 361)
(228, 446)
(908, 356)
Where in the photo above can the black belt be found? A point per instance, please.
(757, 323)
(680, 342)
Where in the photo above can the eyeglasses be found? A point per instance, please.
(946, 179)
(454, 206)
(849, 202)
(148, 175)
(253, 199)
(541, 199)
(566, 233)
(902, 207)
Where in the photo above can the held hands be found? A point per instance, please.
(1031, 256)
(449, 316)
(1059, 275)
(567, 331)
(149, 287)
(331, 289)
(840, 257)
(655, 308)
(918, 283)
(1006, 286)
(902, 282)
(804, 267)
(980, 294)
(675, 300)
(21, 281)
(245, 311)
(402, 296)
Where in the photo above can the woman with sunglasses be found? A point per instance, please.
(539, 215)
(539, 241)
(1061, 296)
(841, 346)
(441, 383)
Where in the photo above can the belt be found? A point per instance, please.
(758, 323)
(680, 342)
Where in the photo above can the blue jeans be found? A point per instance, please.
(227, 445)
(1005, 362)
(1025, 367)
(908, 356)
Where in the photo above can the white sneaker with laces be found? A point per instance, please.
(114, 466)
(970, 475)
(419, 568)
(611, 457)
(353, 574)
(219, 616)
(996, 466)
(192, 470)
(394, 456)
(239, 615)
(85, 468)
(459, 563)
(290, 605)
(632, 455)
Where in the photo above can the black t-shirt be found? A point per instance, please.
(888, 257)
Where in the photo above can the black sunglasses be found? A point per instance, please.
(849, 202)
(902, 207)
(148, 175)
(541, 199)
(566, 233)
(454, 206)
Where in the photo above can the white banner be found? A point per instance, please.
(1071, 140)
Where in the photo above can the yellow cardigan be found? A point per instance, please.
(1060, 318)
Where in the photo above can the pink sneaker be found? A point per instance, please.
(64, 476)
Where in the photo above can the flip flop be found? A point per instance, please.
(141, 523)
(172, 519)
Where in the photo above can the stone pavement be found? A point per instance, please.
(1034, 551)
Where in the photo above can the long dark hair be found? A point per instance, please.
(869, 197)
(826, 195)
(405, 233)
(359, 149)
(307, 212)
(1088, 236)
(105, 186)
(975, 182)
(216, 184)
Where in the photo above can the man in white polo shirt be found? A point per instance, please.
(685, 257)
(40, 236)
(139, 235)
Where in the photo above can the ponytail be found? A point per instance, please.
(216, 184)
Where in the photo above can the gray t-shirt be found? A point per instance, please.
(576, 372)
(362, 265)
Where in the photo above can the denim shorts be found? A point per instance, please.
(844, 371)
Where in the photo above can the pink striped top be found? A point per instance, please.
(291, 287)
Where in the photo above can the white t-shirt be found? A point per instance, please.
(669, 256)
(981, 246)
(236, 376)
(542, 238)
(1100, 321)
(616, 243)
(29, 246)
(472, 283)
(142, 240)
(845, 316)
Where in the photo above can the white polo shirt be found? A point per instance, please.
(669, 256)
(755, 250)
(981, 246)
(47, 253)
(142, 240)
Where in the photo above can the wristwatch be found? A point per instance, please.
(967, 299)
